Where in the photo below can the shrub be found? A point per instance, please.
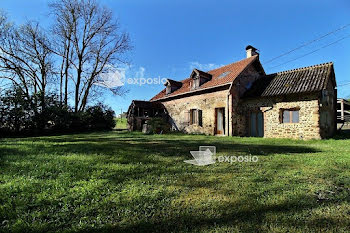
(100, 117)
(38, 114)
(158, 125)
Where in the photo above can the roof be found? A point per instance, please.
(302, 80)
(232, 70)
(146, 104)
(174, 83)
(202, 74)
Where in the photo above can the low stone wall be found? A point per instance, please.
(309, 117)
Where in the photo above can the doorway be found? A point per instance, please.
(256, 124)
(220, 121)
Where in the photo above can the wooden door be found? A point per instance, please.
(256, 124)
(220, 121)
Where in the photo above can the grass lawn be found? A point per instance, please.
(120, 181)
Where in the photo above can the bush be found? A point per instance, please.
(37, 115)
(15, 112)
(100, 117)
(158, 125)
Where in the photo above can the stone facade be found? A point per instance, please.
(310, 125)
(178, 110)
(239, 87)
(316, 111)
(226, 97)
(309, 117)
(239, 99)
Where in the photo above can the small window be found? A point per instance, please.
(168, 89)
(196, 83)
(196, 117)
(295, 116)
(224, 74)
(290, 115)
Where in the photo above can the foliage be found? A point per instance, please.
(20, 115)
(100, 118)
(48, 74)
(130, 182)
(15, 111)
(158, 125)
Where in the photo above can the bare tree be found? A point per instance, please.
(26, 58)
(91, 39)
(63, 29)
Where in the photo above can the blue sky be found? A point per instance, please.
(172, 37)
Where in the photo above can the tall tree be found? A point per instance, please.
(92, 40)
(26, 58)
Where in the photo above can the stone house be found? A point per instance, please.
(239, 99)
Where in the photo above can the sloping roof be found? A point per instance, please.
(146, 104)
(232, 70)
(302, 80)
(174, 83)
(202, 74)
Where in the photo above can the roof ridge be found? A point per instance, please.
(182, 80)
(305, 68)
(236, 67)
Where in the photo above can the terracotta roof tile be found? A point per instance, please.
(220, 76)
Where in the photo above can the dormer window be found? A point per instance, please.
(168, 90)
(196, 83)
(171, 86)
(198, 78)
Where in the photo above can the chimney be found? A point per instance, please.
(251, 51)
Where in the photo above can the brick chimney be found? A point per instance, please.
(251, 51)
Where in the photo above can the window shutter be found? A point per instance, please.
(187, 118)
(200, 120)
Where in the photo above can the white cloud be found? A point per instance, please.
(204, 67)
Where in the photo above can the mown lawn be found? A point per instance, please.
(121, 181)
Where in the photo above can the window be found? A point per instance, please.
(168, 90)
(224, 74)
(290, 115)
(196, 117)
(196, 83)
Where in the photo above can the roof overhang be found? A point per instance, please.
(193, 91)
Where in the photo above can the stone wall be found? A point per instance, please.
(309, 117)
(239, 87)
(207, 102)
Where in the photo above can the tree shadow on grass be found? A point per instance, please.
(140, 157)
(145, 153)
(168, 147)
(245, 216)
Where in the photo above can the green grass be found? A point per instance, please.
(121, 123)
(134, 182)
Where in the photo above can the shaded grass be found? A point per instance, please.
(121, 181)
